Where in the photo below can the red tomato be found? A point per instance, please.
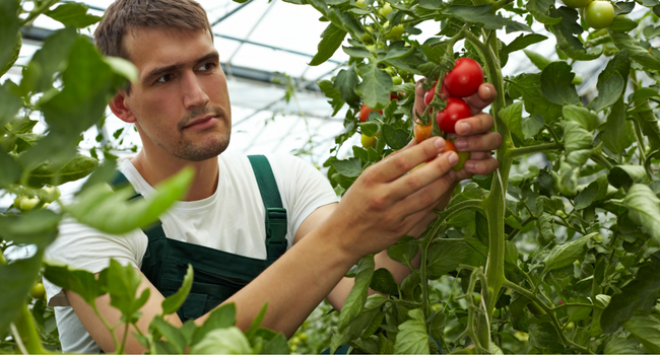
(449, 147)
(422, 132)
(456, 110)
(394, 97)
(364, 112)
(465, 78)
(428, 96)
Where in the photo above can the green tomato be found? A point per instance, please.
(18, 200)
(53, 193)
(367, 141)
(360, 3)
(462, 158)
(385, 10)
(395, 33)
(28, 204)
(576, 3)
(599, 14)
(397, 80)
(38, 291)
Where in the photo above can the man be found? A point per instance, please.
(181, 109)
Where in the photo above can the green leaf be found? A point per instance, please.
(277, 345)
(37, 227)
(9, 31)
(647, 330)
(623, 346)
(619, 63)
(638, 296)
(122, 283)
(16, 280)
(481, 14)
(626, 175)
(122, 67)
(538, 60)
(539, 9)
(544, 336)
(82, 282)
(53, 55)
(396, 139)
(346, 82)
(223, 341)
(557, 86)
(9, 103)
(510, 253)
(412, 337)
(403, 251)
(586, 196)
(10, 172)
(73, 14)
(575, 137)
(351, 167)
(586, 118)
(172, 334)
(221, 317)
(101, 208)
(383, 282)
(375, 86)
(546, 230)
(331, 39)
(623, 8)
(77, 168)
(444, 257)
(622, 24)
(358, 295)
(644, 208)
(172, 303)
(524, 41)
(566, 41)
(356, 52)
(617, 132)
(637, 53)
(535, 103)
(512, 116)
(565, 254)
(333, 94)
(256, 322)
(609, 93)
(369, 128)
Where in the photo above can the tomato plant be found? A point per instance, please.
(365, 111)
(599, 14)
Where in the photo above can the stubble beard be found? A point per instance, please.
(192, 150)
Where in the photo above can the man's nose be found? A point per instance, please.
(193, 92)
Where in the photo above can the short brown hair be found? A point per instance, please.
(124, 15)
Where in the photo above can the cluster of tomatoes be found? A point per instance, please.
(596, 13)
(462, 81)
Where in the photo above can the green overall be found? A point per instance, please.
(218, 274)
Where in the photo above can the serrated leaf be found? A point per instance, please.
(122, 283)
(575, 137)
(172, 303)
(512, 116)
(637, 53)
(539, 9)
(9, 30)
(375, 86)
(608, 93)
(107, 211)
(557, 84)
(351, 167)
(444, 257)
(617, 134)
(412, 337)
(626, 175)
(586, 118)
(333, 94)
(223, 341)
(481, 14)
(396, 139)
(76, 168)
(172, 334)
(566, 41)
(524, 41)
(331, 38)
(73, 14)
(644, 208)
(623, 346)
(646, 329)
(565, 254)
(531, 126)
(383, 282)
(221, 317)
(346, 82)
(622, 24)
(358, 294)
(404, 250)
(535, 102)
(586, 196)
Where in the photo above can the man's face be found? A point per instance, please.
(180, 102)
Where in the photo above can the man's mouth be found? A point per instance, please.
(202, 123)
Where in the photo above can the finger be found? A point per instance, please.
(482, 167)
(399, 164)
(478, 124)
(480, 155)
(483, 142)
(419, 105)
(410, 144)
(484, 97)
(425, 199)
(424, 176)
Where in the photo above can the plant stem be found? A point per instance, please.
(552, 132)
(649, 161)
(499, 4)
(517, 152)
(27, 332)
(38, 11)
(599, 158)
(106, 324)
(452, 210)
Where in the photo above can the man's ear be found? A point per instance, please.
(120, 109)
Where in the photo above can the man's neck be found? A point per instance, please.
(155, 171)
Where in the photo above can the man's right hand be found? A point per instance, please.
(388, 200)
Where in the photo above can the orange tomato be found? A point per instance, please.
(422, 132)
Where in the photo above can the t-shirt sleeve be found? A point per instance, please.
(83, 247)
(302, 187)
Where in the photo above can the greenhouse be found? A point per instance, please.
(330, 176)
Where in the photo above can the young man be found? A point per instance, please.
(180, 107)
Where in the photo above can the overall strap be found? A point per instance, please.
(276, 218)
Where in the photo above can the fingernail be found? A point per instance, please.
(460, 143)
(469, 165)
(487, 90)
(463, 126)
(453, 158)
(439, 143)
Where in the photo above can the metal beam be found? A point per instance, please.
(235, 10)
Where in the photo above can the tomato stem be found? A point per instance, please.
(26, 332)
(516, 152)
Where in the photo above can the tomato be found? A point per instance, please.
(38, 291)
(364, 112)
(422, 132)
(385, 10)
(53, 193)
(394, 96)
(462, 158)
(367, 141)
(449, 147)
(576, 3)
(599, 14)
(428, 96)
(397, 81)
(395, 33)
(18, 200)
(28, 204)
(456, 110)
(465, 78)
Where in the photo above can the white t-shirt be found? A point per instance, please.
(231, 220)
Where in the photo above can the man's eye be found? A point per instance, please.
(165, 78)
(206, 66)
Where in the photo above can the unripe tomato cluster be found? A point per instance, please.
(596, 13)
(48, 195)
(462, 81)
